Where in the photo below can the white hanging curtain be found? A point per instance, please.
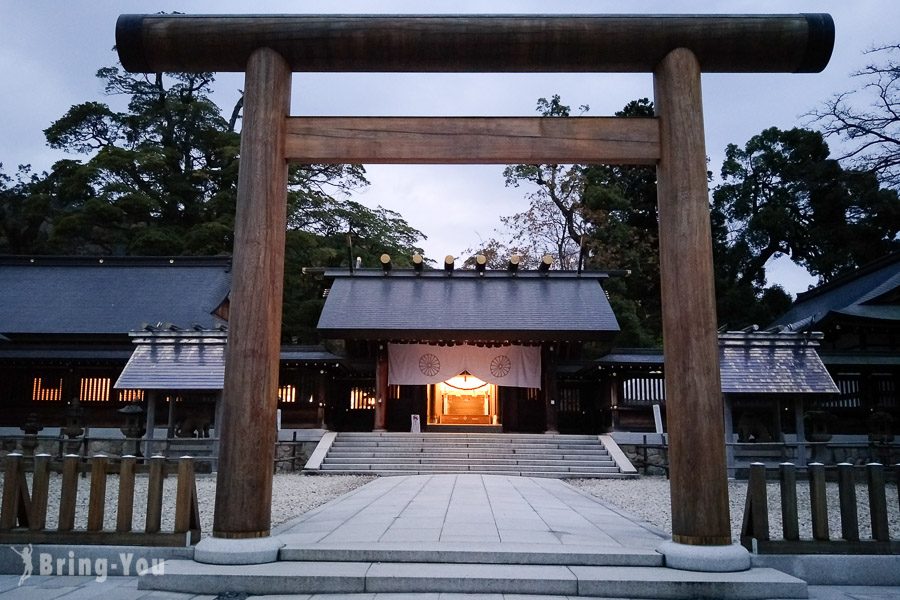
(416, 364)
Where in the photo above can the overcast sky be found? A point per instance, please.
(50, 52)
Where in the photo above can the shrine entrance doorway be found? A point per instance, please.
(463, 400)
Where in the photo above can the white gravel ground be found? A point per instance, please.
(292, 495)
(648, 498)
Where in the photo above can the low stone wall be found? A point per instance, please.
(648, 459)
(292, 450)
(291, 456)
(885, 454)
(55, 446)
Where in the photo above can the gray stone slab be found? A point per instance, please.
(221, 551)
(465, 552)
(94, 589)
(272, 578)
(858, 592)
(662, 583)
(836, 569)
(470, 578)
(723, 559)
(472, 538)
(536, 537)
(400, 534)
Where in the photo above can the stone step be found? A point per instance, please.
(537, 454)
(451, 444)
(561, 455)
(467, 468)
(509, 436)
(505, 553)
(338, 443)
(474, 470)
(443, 460)
(301, 577)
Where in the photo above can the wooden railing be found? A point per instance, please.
(755, 534)
(23, 512)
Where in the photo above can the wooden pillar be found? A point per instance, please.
(614, 398)
(321, 397)
(800, 428)
(381, 387)
(170, 424)
(551, 399)
(249, 401)
(150, 433)
(152, 395)
(693, 389)
(729, 435)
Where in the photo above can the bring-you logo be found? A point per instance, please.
(98, 567)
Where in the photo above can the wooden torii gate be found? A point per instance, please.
(675, 49)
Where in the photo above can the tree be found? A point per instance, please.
(783, 195)
(322, 240)
(623, 233)
(603, 213)
(554, 220)
(871, 133)
(24, 215)
(160, 177)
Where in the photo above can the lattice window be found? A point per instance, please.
(849, 385)
(127, 396)
(46, 389)
(884, 386)
(532, 394)
(94, 389)
(287, 394)
(644, 391)
(362, 398)
(570, 400)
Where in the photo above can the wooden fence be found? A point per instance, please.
(23, 513)
(755, 534)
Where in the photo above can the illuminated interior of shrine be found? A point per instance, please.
(463, 399)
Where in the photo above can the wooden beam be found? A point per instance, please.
(694, 414)
(381, 387)
(250, 394)
(475, 43)
(472, 140)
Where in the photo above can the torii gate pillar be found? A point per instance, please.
(244, 485)
(697, 466)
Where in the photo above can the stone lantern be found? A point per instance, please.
(74, 425)
(31, 427)
(134, 426)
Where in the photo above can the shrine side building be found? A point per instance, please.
(510, 350)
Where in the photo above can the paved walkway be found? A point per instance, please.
(522, 519)
(487, 511)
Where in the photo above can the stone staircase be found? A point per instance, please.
(529, 455)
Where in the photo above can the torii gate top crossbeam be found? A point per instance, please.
(495, 43)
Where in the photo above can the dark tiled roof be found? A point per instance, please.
(67, 354)
(307, 354)
(838, 359)
(81, 296)
(869, 293)
(632, 357)
(191, 360)
(175, 363)
(753, 363)
(772, 364)
(466, 306)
